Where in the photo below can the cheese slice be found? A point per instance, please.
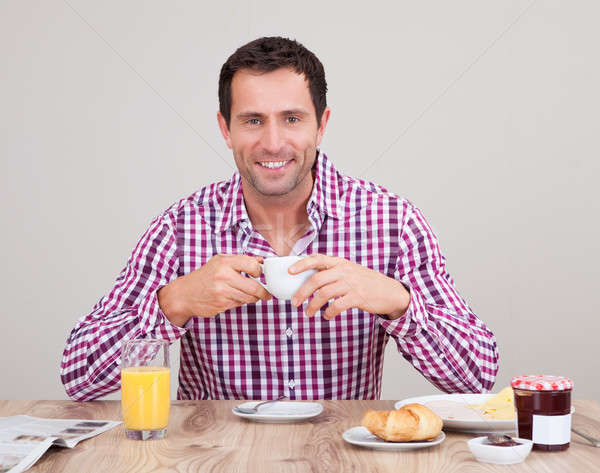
(499, 407)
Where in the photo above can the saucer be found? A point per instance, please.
(281, 412)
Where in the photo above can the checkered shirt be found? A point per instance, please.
(267, 349)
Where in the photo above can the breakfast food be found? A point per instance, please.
(411, 422)
(500, 407)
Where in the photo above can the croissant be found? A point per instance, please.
(409, 423)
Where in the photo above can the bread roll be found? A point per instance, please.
(411, 422)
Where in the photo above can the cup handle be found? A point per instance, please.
(262, 268)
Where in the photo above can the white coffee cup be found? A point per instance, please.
(280, 282)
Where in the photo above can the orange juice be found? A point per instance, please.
(145, 397)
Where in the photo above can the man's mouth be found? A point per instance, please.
(274, 164)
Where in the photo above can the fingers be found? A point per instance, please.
(240, 298)
(325, 294)
(244, 263)
(338, 306)
(250, 287)
(314, 283)
(315, 261)
(227, 273)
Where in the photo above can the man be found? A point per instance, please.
(380, 270)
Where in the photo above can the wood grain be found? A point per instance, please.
(206, 436)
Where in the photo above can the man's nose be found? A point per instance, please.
(271, 139)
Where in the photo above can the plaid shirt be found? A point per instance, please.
(266, 349)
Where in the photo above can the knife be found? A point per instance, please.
(593, 440)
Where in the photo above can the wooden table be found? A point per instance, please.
(206, 436)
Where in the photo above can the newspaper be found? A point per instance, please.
(24, 439)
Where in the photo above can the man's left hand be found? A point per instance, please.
(351, 286)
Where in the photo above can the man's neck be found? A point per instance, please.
(281, 220)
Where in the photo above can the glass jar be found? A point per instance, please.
(543, 405)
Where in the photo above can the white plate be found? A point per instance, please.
(478, 426)
(363, 438)
(282, 412)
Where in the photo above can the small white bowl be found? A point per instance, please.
(500, 455)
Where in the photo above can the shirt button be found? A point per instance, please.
(292, 383)
(289, 332)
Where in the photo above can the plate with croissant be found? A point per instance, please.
(411, 427)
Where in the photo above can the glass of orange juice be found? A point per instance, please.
(145, 388)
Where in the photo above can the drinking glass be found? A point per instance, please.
(145, 388)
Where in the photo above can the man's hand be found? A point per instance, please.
(351, 286)
(213, 288)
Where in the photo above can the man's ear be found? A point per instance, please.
(224, 129)
(324, 120)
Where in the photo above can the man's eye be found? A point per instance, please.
(253, 121)
(292, 119)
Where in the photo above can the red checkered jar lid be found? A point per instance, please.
(542, 382)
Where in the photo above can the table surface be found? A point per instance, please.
(206, 436)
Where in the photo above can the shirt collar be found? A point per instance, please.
(232, 206)
(324, 200)
(326, 193)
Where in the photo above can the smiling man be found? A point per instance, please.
(380, 270)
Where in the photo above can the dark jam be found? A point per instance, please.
(544, 403)
(505, 443)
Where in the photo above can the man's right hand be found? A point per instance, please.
(213, 288)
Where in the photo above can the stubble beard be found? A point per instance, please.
(264, 189)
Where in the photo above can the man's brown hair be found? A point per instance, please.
(268, 54)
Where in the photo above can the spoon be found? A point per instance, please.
(254, 410)
(501, 440)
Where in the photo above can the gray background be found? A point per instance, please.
(484, 114)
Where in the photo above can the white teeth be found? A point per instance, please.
(273, 164)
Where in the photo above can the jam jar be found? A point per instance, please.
(543, 405)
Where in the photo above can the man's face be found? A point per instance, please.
(273, 130)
